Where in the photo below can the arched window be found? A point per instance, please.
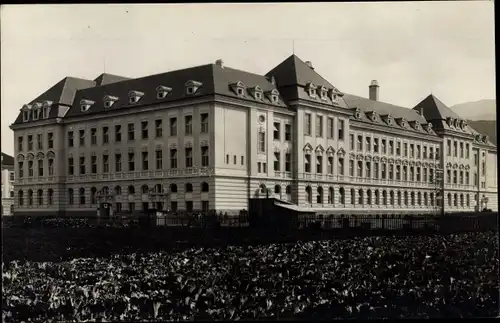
(461, 200)
(406, 197)
(82, 195)
(204, 187)
(399, 198)
(93, 195)
(158, 188)
(431, 198)
(40, 197)
(342, 195)
(173, 188)
(288, 189)
(455, 199)
(384, 197)
(262, 188)
(360, 197)
(50, 196)
(131, 190)
(144, 189)
(71, 196)
(369, 197)
(449, 199)
(391, 193)
(419, 198)
(353, 196)
(468, 199)
(308, 194)
(331, 197)
(377, 197)
(277, 189)
(20, 196)
(105, 191)
(118, 190)
(319, 196)
(189, 188)
(30, 197)
(412, 198)
(426, 199)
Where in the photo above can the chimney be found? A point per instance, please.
(271, 79)
(421, 111)
(308, 63)
(220, 63)
(373, 90)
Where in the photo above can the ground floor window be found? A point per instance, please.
(118, 207)
(145, 206)
(173, 206)
(205, 206)
(189, 206)
(131, 207)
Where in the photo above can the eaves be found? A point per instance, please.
(363, 126)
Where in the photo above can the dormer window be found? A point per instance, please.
(46, 109)
(85, 105)
(402, 122)
(323, 92)
(485, 139)
(134, 96)
(389, 120)
(162, 92)
(455, 123)
(273, 96)
(373, 116)
(311, 89)
(192, 87)
(449, 121)
(417, 126)
(36, 107)
(429, 127)
(357, 113)
(238, 88)
(256, 91)
(26, 111)
(109, 101)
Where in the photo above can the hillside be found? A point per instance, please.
(487, 127)
(477, 111)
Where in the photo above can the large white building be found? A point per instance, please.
(7, 184)
(212, 137)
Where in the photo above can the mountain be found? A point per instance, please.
(487, 127)
(478, 110)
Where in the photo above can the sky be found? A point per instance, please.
(411, 48)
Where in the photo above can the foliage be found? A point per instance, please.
(418, 276)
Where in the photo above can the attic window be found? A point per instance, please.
(36, 111)
(85, 105)
(403, 123)
(109, 101)
(162, 92)
(26, 112)
(357, 113)
(192, 87)
(417, 126)
(311, 89)
(429, 126)
(238, 88)
(46, 109)
(455, 123)
(389, 120)
(257, 92)
(273, 95)
(134, 96)
(373, 117)
(323, 92)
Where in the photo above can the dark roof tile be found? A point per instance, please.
(7, 160)
(434, 109)
(105, 78)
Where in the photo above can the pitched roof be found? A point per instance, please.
(105, 78)
(7, 160)
(382, 108)
(434, 109)
(64, 91)
(214, 79)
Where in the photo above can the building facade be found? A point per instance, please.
(211, 137)
(8, 177)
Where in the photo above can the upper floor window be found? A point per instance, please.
(341, 129)
(288, 132)
(93, 136)
(70, 139)
(277, 132)
(330, 128)
(50, 140)
(162, 91)
(131, 131)
(159, 128)
(134, 96)
(262, 142)
(109, 101)
(204, 122)
(307, 124)
(82, 137)
(173, 126)
(188, 123)
(20, 143)
(105, 135)
(192, 87)
(144, 130)
(39, 140)
(118, 133)
(319, 126)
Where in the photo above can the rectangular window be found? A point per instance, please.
(424, 177)
(39, 139)
(360, 169)
(131, 162)
(448, 176)
(437, 154)
(391, 147)
(307, 124)
(288, 132)
(375, 145)
(461, 150)
(455, 179)
(144, 130)
(20, 166)
(71, 166)
(448, 146)
(412, 155)
(351, 141)
(276, 132)
(242, 160)
(455, 149)
(405, 149)
(467, 179)
(188, 122)
(145, 160)
(351, 167)
(82, 137)
(483, 168)
(105, 135)
(307, 164)
(319, 126)
(173, 158)
(341, 129)
(205, 157)
(398, 172)
(105, 163)
(391, 172)
(375, 170)
(173, 126)
(368, 169)
(93, 136)
(118, 133)
(30, 168)
(418, 152)
(204, 122)
(50, 140)
(30, 142)
(368, 144)
(159, 159)
(330, 129)
(431, 152)
(276, 161)
(261, 142)
(93, 164)
(398, 148)
(189, 157)
(360, 142)
(461, 177)
(51, 167)
(158, 128)
(82, 165)
(20, 144)
(40, 167)
(118, 163)
(330, 165)
(467, 153)
(70, 139)
(341, 166)
(418, 174)
(131, 132)
(319, 164)
(384, 146)
(424, 154)
(384, 171)
(288, 162)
